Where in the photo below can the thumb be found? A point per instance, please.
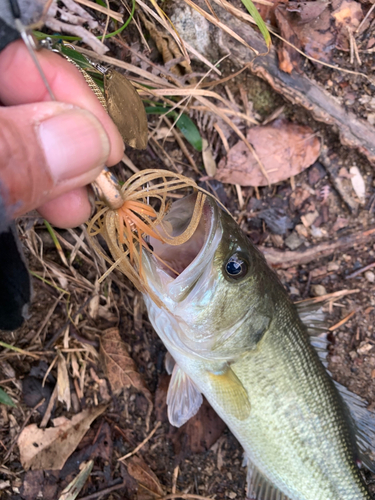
(47, 149)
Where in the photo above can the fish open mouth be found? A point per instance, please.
(175, 259)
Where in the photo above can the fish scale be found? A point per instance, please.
(311, 435)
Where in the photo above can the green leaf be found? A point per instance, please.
(184, 124)
(76, 56)
(5, 399)
(253, 11)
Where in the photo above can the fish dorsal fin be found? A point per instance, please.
(258, 487)
(363, 420)
(169, 363)
(183, 398)
(230, 393)
(313, 317)
(364, 425)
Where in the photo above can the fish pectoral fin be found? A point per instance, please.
(230, 393)
(257, 486)
(169, 363)
(183, 398)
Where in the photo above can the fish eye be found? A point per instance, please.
(236, 267)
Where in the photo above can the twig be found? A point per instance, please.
(67, 323)
(21, 429)
(174, 481)
(185, 496)
(332, 169)
(342, 322)
(328, 296)
(141, 444)
(127, 161)
(182, 145)
(47, 413)
(104, 10)
(47, 318)
(106, 491)
(360, 271)
(365, 18)
(286, 259)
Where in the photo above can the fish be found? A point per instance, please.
(234, 336)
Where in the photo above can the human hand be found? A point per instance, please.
(49, 151)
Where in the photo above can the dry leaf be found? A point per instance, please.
(149, 485)
(347, 19)
(307, 26)
(63, 383)
(349, 14)
(358, 184)
(75, 486)
(119, 367)
(50, 448)
(285, 149)
(200, 432)
(208, 159)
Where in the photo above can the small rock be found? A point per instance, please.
(317, 232)
(193, 28)
(318, 290)
(317, 172)
(276, 219)
(353, 355)
(358, 184)
(4, 484)
(302, 230)
(333, 266)
(232, 495)
(370, 276)
(293, 290)
(371, 118)
(318, 271)
(277, 240)
(340, 223)
(309, 218)
(364, 348)
(293, 241)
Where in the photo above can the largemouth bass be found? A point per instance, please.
(236, 338)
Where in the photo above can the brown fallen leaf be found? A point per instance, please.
(119, 367)
(285, 149)
(63, 383)
(347, 19)
(149, 485)
(289, 58)
(306, 25)
(50, 448)
(40, 484)
(199, 433)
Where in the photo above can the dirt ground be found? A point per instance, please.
(202, 458)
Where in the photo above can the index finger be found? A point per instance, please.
(21, 83)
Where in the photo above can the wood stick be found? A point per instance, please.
(297, 88)
(282, 259)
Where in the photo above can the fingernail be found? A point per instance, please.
(74, 143)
